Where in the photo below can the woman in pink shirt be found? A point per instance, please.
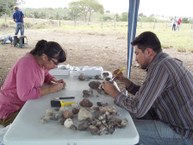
(26, 78)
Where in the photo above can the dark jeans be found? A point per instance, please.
(19, 27)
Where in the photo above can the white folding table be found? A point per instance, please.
(27, 128)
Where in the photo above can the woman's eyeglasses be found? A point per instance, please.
(54, 61)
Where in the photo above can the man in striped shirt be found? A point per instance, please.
(162, 107)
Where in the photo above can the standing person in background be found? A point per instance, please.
(18, 19)
(179, 23)
(174, 24)
(26, 78)
(162, 107)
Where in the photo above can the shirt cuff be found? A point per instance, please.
(118, 97)
(133, 88)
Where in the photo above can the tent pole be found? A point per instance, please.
(132, 24)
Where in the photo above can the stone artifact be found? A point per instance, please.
(97, 118)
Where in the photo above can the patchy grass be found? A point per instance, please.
(180, 40)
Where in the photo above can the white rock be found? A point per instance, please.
(84, 114)
(68, 122)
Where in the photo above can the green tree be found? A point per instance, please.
(75, 10)
(185, 20)
(85, 8)
(91, 6)
(6, 6)
(124, 16)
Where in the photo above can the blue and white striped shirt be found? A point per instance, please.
(168, 90)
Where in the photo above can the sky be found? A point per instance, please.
(177, 8)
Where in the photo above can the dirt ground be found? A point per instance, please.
(108, 50)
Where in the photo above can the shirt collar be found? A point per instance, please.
(156, 59)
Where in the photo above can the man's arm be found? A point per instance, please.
(14, 17)
(150, 90)
(132, 87)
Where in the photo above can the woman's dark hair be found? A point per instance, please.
(51, 49)
(147, 39)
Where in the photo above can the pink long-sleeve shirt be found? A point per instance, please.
(22, 83)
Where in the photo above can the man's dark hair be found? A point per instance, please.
(147, 40)
(16, 8)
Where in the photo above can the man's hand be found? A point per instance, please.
(122, 78)
(110, 89)
(118, 75)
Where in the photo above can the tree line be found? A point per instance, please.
(84, 10)
(81, 10)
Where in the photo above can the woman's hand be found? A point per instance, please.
(56, 87)
(110, 89)
(59, 81)
(62, 81)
